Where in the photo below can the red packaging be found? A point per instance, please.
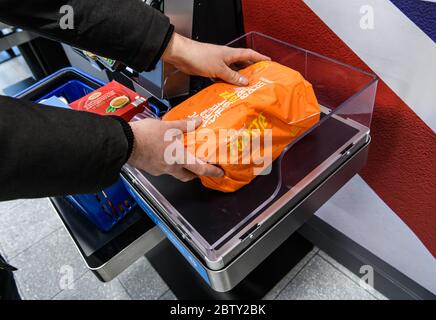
(112, 99)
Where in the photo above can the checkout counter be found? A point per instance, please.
(209, 244)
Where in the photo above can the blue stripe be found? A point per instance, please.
(422, 13)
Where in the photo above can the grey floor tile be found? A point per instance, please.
(25, 224)
(320, 280)
(47, 265)
(142, 282)
(5, 206)
(285, 281)
(89, 287)
(169, 295)
(13, 71)
(352, 276)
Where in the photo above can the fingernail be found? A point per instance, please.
(243, 81)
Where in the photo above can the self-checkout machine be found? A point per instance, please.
(208, 244)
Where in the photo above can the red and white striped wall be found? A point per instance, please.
(391, 207)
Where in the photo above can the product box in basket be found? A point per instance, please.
(112, 99)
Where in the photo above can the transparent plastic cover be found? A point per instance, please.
(212, 221)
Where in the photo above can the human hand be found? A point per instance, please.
(149, 151)
(208, 60)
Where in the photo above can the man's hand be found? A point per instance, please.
(193, 58)
(149, 149)
(209, 60)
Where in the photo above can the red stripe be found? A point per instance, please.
(401, 166)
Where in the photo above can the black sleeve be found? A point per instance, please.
(124, 30)
(47, 151)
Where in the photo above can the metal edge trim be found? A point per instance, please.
(105, 270)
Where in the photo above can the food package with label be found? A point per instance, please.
(245, 129)
(112, 99)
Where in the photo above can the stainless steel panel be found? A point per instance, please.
(227, 278)
(234, 245)
(181, 14)
(274, 235)
(108, 268)
(129, 255)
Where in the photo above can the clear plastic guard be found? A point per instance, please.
(214, 222)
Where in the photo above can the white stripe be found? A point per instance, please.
(359, 213)
(401, 54)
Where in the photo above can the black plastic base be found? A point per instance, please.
(186, 284)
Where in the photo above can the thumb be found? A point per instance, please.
(185, 125)
(233, 77)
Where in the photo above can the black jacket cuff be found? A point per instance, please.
(165, 43)
(156, 37)
(129, 136)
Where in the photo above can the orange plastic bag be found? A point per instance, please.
(278, 103)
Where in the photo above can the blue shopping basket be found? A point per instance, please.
(107, 207)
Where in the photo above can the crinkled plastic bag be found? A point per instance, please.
(278, 104)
